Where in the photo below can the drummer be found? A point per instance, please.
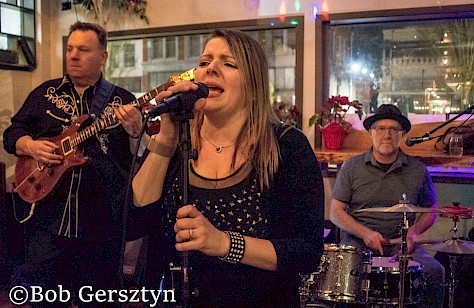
(379, 178)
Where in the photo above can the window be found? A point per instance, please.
(167, 54)
(133, 84)
(129, 55)
(114, 56)
(421, 63)
(156, 48)
(195, 45)
(17, 34)
(170, 43)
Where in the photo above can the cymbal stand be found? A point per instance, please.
(403, 261)
(453, 259)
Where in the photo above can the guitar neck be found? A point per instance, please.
(151, 95)
(110, 119)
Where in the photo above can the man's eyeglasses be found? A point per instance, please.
(383, 129)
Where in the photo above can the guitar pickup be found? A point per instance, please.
(66, 145)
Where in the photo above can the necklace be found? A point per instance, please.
(218, 148)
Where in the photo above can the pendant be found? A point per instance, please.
(218, 149)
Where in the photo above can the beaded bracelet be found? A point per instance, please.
(160, 149)
(236, 248)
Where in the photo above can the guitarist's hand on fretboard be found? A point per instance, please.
(130, 118)
(43, 151)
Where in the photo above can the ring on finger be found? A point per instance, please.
(190, 234)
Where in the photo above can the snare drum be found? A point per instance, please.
(342, 275)
(384, 281)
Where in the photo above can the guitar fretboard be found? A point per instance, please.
(109, 120)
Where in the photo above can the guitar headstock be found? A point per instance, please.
(188, 75)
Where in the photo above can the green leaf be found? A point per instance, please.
(313, 119)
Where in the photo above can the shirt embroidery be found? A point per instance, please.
(63, 101)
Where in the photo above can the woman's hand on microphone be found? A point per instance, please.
(168, 126)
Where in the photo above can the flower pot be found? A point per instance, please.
(333, 134)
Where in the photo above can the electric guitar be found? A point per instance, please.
(35, 180)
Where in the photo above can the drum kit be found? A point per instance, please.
(348, 276)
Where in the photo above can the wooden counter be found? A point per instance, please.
(358, 141)
(429, 158)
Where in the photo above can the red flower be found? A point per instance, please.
(344, 100)
(285, 114)
(334, 110)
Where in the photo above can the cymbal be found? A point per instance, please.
(453, 246)
(456, 212)
(401, 208)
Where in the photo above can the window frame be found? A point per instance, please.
(324, 23)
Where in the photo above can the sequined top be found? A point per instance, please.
(289, 214)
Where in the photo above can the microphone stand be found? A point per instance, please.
(184, 145)
(467, 111)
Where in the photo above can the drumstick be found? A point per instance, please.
(392, 241)
(398, 240)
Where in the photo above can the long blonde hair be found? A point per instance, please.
(257, 131)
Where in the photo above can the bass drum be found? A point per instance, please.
(342, 275)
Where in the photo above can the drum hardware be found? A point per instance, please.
(403, 258)
(454, 247)
(304, 290)
(404, 207)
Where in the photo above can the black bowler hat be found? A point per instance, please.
(388, 112)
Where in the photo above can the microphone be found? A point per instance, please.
(183, 101)
(415, 140)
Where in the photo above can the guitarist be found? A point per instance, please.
(73, 238)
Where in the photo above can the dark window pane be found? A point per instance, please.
(420, 66)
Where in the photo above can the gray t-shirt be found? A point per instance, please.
(362, 183)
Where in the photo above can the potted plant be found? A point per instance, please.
(104, 9)
(331, 120)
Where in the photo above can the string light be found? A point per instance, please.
(314, 10)
(297, 5)
(282, 11)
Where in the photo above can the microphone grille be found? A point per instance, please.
(202, 91)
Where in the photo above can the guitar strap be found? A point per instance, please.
(102, 95)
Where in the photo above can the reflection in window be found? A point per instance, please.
(132, 84)
(114, 57)
(170, 47)
(156, 48)
(423, 67)
(129, 55)
(195, 45)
